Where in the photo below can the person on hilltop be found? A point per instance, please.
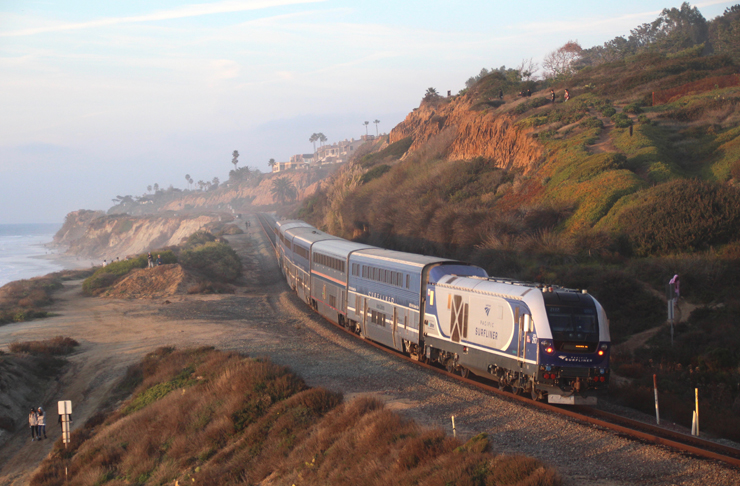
(566, 96)
(159, 260)
(33, 422)
(529, 93)
(41, 427)
(500, 94)
(150, 260)
(552, 95)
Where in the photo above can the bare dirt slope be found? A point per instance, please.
(266, 319)
(153, 283)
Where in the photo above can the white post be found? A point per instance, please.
(693, 423)
(64, 407)
(454, 432)
(696, 391)
(655, 388)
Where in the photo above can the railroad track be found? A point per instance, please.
(622, 425)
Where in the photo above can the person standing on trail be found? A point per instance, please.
(41, 427)
(552, 95)
(676, 286)
(150, 260)
(566, 96)
(33, 422)
(159, 260)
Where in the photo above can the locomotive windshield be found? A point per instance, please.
(573, 323)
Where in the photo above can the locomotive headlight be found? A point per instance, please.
(604, 346)
(549, 350)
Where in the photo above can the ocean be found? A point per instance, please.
(21, 245)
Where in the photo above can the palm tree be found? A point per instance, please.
(156, 187)
(322, 138)
(187, 178)
(234, 157)
(283, 190)
(313, 140)
(149, 188)
(376, 127)
(271, 163)
(366, 124)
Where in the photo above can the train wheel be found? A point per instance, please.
(501, 384)
(464, 372)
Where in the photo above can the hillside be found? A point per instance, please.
(631, 179)
(210, 417)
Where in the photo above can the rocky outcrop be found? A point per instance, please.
(108, 237)
(475, 133)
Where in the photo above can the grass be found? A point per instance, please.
(211, 417)
(56, 346)
(24, 300)
(105, 277)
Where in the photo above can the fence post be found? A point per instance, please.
(454, 432)
(696, 391)
(655, 388)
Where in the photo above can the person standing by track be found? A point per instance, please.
(33, 422)
(41, 423)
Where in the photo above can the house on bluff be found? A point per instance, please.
(336, 153)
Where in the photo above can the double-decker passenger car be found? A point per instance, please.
(545, 341)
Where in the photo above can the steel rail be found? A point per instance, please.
(628, 427)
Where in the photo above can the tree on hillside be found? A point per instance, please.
(376, 127)
(366, 124)
(271, 163)
(149, 188)
(527, 69)
(191, 181)
(156, 187)
(234, 158)
(561, 62)
(215, 182)
(313, 139)
(724, 32)
(431, 94)
(283, 190)
(322, 138)
(187, 179)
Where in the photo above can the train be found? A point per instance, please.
(549, 342)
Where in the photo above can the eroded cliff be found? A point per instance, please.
(475, 133)
(92, 234)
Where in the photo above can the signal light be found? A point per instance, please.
(549, 350)
(601, 352)
(603, 379)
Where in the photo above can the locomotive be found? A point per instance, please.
(550, 342)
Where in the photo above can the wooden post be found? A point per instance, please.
(454, 432)
(655, 388)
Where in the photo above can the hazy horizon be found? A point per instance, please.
(104, 99)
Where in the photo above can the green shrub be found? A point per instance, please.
(198, 238)
(633, 108)
(374, 173)
(592, 122)
(621, 120)
(608, 111)
(215, 260)
(643, 119)
(682, 215)
(391, 152)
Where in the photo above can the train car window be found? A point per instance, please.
(408, 286)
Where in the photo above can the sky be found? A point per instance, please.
(103, 98)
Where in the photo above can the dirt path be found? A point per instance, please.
(266, 319)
